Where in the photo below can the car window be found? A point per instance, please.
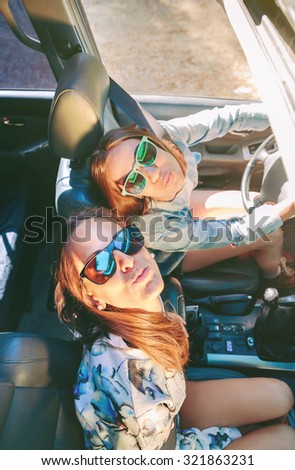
(21, 66)
(185, 48)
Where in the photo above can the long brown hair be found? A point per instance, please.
(162, 337)
(126, 206)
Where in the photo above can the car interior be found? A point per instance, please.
(46, 139)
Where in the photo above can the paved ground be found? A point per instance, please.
(170, 46)
(182, 47)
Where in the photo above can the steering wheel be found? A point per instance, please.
(266, 149)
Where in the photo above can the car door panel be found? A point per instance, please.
(27, 175)
(23, 120)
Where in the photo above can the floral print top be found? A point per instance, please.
(125, 401)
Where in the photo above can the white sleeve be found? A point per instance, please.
(213, 123)
(172, 231)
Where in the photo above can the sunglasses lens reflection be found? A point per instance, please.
(146, 153)
(103, 266)
(135, 183)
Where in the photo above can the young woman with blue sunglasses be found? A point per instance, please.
(130, 391)
(155, 180)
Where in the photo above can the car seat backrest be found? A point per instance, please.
(76, 114)
(75, 125)
(36, 388)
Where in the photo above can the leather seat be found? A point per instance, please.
(81, 112)
(75, 125)
(36, 381)
(233, 276)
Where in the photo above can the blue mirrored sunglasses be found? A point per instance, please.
(102, 265)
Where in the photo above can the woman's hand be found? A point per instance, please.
(286, 208)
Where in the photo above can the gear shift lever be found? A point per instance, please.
(274, 329)
(271, 297)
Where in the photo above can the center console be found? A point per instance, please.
(223, 333)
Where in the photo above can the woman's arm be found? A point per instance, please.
(212, 123)
(171, 231)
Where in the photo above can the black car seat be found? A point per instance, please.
(37, 405)
(82, 110)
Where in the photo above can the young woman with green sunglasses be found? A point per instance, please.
(155, 180)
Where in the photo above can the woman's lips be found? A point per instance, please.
(142, 276)
(167, 179)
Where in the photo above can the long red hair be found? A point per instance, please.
(103, 187)
(162, 337)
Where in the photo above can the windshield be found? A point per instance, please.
(164, 47)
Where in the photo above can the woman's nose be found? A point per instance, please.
(151, 172)
(124, 261)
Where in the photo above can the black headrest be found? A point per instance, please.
(76, 115)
